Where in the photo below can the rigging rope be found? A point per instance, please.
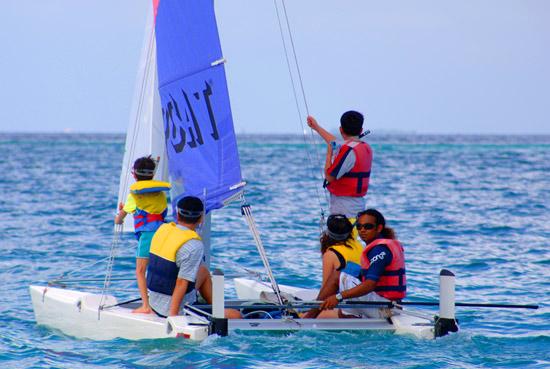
(110, 264)
(295, 57)
(312, 138)
(63, 276)
(139, 112)
(119, 228)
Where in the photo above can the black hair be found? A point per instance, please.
(352, 123)
(338, 232)
(386, 232)
(144, 168)
(190, 209)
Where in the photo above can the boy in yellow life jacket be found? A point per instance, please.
(147, 202)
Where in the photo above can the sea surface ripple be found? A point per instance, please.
(477, 205)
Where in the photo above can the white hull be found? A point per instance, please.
(400, 324)
(76, 313)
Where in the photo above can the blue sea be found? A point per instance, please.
(477, 205)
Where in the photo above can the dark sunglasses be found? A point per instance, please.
(366, 226)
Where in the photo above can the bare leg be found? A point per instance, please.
(329, 314)
(232, 314)
(335, 314)
(141, 267)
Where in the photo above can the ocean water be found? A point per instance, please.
(477, 205)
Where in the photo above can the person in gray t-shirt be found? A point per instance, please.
(175, 259)
(175, 270)
(188, 260)
(347, 165)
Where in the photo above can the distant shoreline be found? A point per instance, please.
(396, 138)
(275, 135)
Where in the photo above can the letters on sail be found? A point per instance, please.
(175, 132)
(200, 140)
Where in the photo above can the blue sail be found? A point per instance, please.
(203, 160)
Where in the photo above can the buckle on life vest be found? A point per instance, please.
(154, 218)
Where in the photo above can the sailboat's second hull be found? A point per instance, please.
(401, 323)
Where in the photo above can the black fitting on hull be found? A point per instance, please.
(443, 326)
(218, 326)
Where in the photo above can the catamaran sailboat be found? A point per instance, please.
(182, 116)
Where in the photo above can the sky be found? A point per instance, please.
(410, 66)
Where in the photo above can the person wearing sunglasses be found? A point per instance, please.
(382, 270)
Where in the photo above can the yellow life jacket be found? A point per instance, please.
(140, 187)
(150, 204)
(149, 195)
(162, 271)
(352, 256)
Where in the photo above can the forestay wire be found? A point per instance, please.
(311, 139)
(110, 264)
(119, 228)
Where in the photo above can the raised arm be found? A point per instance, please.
(326, 135)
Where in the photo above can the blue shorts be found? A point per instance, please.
(144, 244)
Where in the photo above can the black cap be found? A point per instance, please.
(338, 227)
(190, 207)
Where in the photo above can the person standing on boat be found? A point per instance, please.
(147, 202)
(175, 272)
(383, 270)
(347, 164)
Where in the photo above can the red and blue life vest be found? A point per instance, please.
(354, 183)
(393, 282)
(147, 222)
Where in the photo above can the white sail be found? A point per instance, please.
(145, 134)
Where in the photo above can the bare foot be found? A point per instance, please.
(142, 310)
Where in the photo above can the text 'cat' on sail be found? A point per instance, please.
(200, 140)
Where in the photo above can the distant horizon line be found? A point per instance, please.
(379, 132)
